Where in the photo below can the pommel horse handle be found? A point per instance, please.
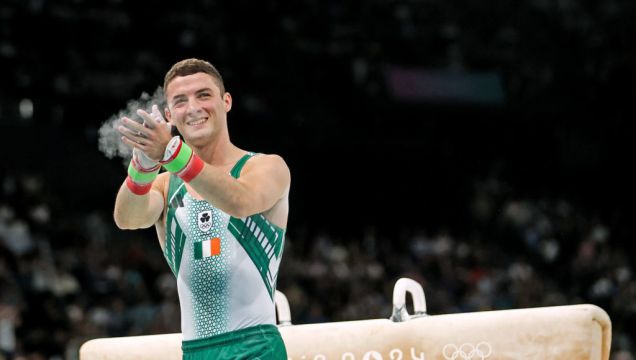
(402, 286)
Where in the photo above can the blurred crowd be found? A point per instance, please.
(561, 54)
(67, 278)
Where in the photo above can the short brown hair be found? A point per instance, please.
(192, 66)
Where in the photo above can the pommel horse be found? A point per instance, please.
(573, 332)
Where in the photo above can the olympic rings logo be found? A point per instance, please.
(467, 351)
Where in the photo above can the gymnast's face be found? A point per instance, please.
(197, 108)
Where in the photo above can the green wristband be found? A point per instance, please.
(181, 159)
(141, 177)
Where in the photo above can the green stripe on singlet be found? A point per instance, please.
(198, 250)
(274, 239)
(261, 241)
(175, 237)
(236, 169)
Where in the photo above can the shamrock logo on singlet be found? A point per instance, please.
(205, 223)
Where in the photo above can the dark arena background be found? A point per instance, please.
(484, 149)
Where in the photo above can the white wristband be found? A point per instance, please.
(144, 161)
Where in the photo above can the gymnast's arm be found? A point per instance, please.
(264, 181)
(134, 211)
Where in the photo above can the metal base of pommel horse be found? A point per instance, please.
(557, 332)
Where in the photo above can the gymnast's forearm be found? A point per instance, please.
(133, 211)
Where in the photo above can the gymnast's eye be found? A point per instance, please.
(178, 101)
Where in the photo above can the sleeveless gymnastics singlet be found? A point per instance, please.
(226, 268)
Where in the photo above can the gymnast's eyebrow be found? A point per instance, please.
(177, 98)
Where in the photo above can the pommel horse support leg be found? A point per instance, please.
(559, 332)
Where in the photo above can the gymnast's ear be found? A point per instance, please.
(227, 100)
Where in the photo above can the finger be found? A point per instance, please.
(126, 131)
(132, 135)
(149, 121)
(134, 144)
(132, 124)
(156, 114)
(129, 142)
(136, 128)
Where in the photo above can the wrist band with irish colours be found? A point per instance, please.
(141, 175)
(139, 180)
(183, 162)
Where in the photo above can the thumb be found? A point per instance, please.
(157, 116)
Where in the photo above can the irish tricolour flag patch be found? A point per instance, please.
(207, 248)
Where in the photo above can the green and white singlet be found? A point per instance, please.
(226, 268)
